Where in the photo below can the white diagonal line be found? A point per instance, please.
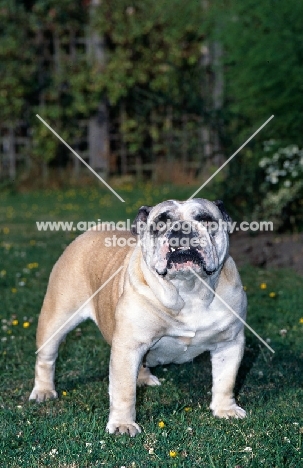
(232, 310)
(79, 157)
(80, 308)
(229, 159)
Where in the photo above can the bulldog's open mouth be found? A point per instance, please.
(182, 259)
(182, 256)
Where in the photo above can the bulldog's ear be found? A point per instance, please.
(221, 207)
(141, 219)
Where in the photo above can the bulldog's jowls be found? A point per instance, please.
(156, 310)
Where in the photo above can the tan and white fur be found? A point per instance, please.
(154, 311)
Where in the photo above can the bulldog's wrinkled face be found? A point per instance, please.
(177, 237)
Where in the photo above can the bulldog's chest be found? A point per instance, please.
(197, 329)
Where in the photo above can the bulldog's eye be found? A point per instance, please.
(163, 218)
(203, 218)
(161, 223)
(209, 222)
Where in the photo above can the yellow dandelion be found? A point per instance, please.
(272, 294)
(2, 272)
(187, 408)
(263, 285)
(14, 290)
(32, 265)
(173, 453)
(161, 424)
(26, 324)
(15, 322)
(5, 230)
(64, 393)
(301, 320)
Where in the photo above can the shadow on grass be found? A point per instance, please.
(262, 377)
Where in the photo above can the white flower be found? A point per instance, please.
(287, 183)
(53, 452)
(294, 149)
(273, 179)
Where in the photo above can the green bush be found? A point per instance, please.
(282, 186)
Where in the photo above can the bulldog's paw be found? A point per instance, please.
(131, 428)
(233, 411)
(42, 395)
(145, 377)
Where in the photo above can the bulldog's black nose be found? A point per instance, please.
(181, 231)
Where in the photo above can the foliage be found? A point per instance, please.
(30, 82)
(151, 60)
(16, 81)
(263, 64)
(241, 187)
(153, 68)
(282, 185)
(154, 50)
(263, 53)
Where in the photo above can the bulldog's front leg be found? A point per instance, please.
(226, 360)
(125, 361)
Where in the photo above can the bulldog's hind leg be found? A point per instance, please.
(145, 377)
(52, 328)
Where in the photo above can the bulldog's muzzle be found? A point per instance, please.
(186, 250)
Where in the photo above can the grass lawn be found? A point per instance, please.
(178, 428)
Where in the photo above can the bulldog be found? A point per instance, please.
(166, 304)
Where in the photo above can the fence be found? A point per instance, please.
(183, 141)
(169, 139)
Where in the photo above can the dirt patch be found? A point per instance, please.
(268, 250)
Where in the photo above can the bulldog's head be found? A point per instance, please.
(177, 237)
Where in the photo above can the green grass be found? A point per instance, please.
(70, 432)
